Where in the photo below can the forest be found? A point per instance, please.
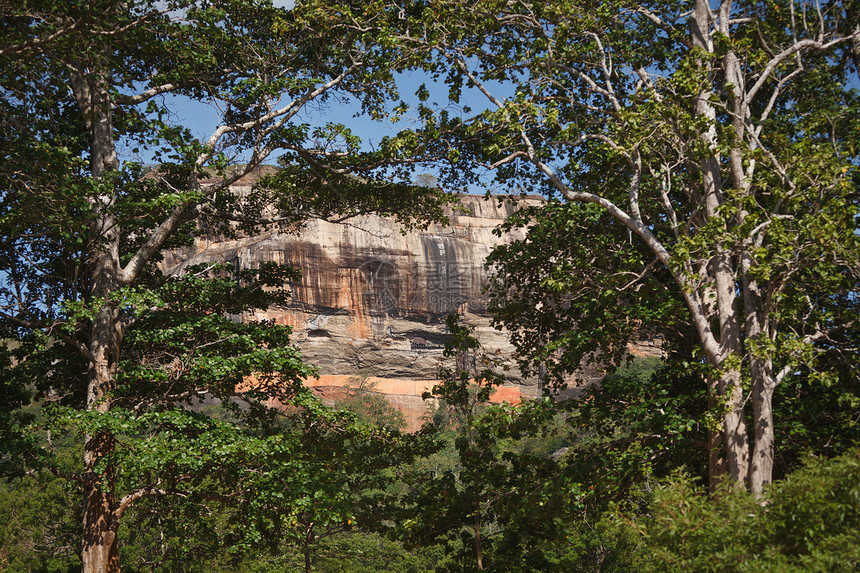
(700, 166)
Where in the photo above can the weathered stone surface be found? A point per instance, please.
(373, 299)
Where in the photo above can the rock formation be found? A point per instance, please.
(373, 298)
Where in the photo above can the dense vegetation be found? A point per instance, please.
(701, 166)
(609, 482)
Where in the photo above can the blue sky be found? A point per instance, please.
(202, 119)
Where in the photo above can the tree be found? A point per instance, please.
(121, 350)
(39, 518)
(333, 480)
(721, 137)
(496, 505)
(368, 405)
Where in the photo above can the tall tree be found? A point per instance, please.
(721, 136)
(122, 349)
(499, 502)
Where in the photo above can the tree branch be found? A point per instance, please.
(787, 53)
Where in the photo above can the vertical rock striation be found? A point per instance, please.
(373, 298)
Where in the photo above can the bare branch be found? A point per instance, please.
(49, 329)
(39, 42)
(777, 91)
(821, 334)
(279, 116)
(132, 497)
(510, 158)
(606, 68)
(659, 22)
(635, 181)
(664, 197)
(772, 158)
(179, 214)
(146, 95)
(795, 48)
(639, 276)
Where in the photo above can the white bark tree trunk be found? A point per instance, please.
(723, 283)
(763, 385)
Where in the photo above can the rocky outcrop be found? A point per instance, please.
(403, 394)
(373, 298)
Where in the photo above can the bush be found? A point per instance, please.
(808, 522)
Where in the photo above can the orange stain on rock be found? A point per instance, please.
(404, 395)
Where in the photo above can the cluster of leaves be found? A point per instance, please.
(316, 474)
(816, 418)
(541, 486)
(494, 503)
(39, 520)
(632, 429)
(807, 522)
(368, 405)
(538, 487)
(173, 460)
(309, 483)
(578, 289)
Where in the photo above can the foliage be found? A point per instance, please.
(368, 553)
(631, 429)
(38, 525)
(369, 406)
(807, 522)
(590, 303)
(705, 166)
(165, 446)
(713, 149)
(310, 482)
(317, 475)
(498, 504)
(816, 418)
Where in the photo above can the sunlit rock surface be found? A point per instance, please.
(373, 299)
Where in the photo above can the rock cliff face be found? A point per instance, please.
(373, 299)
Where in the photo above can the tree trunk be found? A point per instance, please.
(762, 381)
(479, 550)
(716, 458)
(763, 384)
(721, 271)
(100, 552)
(735, 429)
